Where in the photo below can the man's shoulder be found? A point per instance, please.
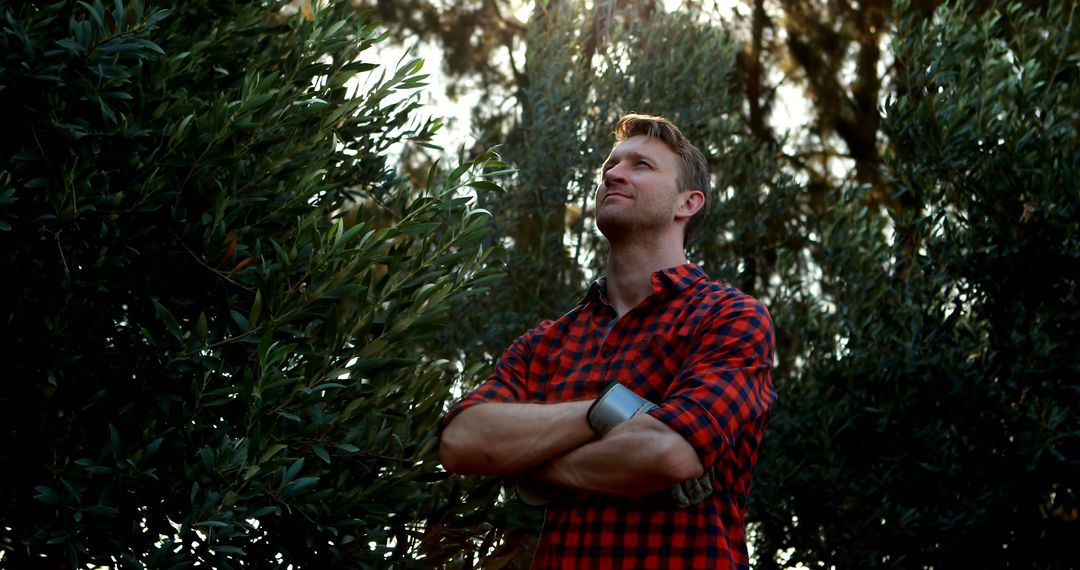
(715, 294)
(715, 305)
(553, 327)
(693, 282)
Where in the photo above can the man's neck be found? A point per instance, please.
(630, 268)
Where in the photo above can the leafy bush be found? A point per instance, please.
(217, 289)
(935, 423)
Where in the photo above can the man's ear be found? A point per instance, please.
(692, 201)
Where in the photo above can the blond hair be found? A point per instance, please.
(693, 170)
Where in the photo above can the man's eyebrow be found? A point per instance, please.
(631, 154)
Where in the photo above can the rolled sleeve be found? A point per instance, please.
(725, 383)
(508, 383)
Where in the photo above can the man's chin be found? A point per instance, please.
(612, 227)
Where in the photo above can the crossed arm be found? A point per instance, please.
(554, 444)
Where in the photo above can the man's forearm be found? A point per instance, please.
(504, 439)
(638, 457)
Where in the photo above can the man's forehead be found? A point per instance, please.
(641, 146)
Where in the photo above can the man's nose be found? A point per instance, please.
(615, 175)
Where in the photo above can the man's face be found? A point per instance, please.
(638, 190)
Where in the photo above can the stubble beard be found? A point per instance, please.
(622, 227)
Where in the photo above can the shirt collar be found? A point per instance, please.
(677, 279)
(672, 280)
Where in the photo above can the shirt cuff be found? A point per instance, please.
(697, 426)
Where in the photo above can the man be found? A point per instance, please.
(639, 413)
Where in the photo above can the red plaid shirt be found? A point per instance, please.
(702, 351)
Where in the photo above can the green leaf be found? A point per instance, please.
(101, 510)
(239, 320)
(201, 328)
(167, 318)
(300, 485)
(72, 46)
(293, 470)
(485, 185)
(47, 495)
(256, 309)
(272, 451)
(321, 452)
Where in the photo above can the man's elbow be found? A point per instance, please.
(451, 452)
(462, 454)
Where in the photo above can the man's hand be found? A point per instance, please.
(692, 491)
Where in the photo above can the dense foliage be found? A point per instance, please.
(935, 421)
(222, 302)
(217, 288)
